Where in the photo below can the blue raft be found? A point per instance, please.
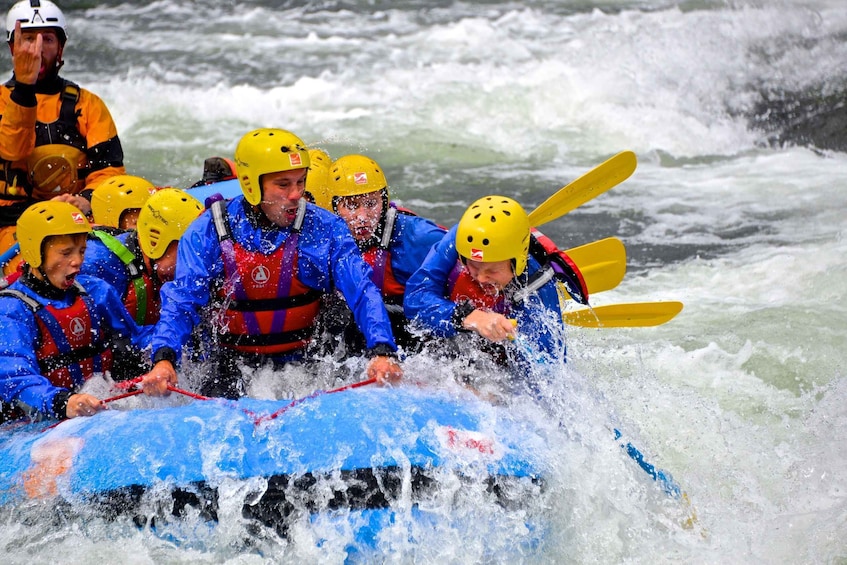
(358, 450)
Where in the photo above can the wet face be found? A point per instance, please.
(281, 193)
(492, 277)
(51, 48)
(362, 214)
(165, 266)
(62, 259)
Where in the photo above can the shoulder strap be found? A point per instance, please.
(388, 230)
(70, 96)
(31, 303)
(219, 216)
(301, 214)
(129, 259)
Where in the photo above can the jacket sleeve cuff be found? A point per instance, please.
(381, 350)
(60, 404)
(164, 354)
(24, 95)
(463, 309)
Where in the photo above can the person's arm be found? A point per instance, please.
(427, 300)
(198, 264)
(17, 125)
(20, 378)
(410, 244)
(330, 258)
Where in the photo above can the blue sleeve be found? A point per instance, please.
(427, 300)
(412, 239)
(199, 263)
(100, 262)
(20, 376)
(329, 257)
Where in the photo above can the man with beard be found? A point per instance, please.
(57, 140)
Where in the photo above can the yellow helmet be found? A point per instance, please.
(164, 218)
(54, 170)
(494, 228)
(265, 151)
(116, 195)
(317, 181)
(352, 175)
(45, 219)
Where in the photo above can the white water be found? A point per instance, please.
(741, 397)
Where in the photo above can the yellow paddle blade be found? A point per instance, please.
(595, 182)
(602, 263)
(632, 315)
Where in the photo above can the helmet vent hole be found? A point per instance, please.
(485, 241)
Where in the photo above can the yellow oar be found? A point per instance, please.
(602, 263)
(632, 315)
(590, 185)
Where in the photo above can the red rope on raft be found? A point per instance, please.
(257, 419)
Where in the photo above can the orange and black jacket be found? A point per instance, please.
(56, 111)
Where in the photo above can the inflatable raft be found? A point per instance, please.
(364, 453)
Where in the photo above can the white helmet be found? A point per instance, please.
(36, 14)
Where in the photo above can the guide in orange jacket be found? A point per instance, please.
(57, 140)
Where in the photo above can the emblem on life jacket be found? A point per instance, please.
(77, 327)
(260, 275)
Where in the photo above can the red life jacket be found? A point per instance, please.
(269, 310)
(383, 276)
(152, 300)
(565, 270)
(72, 345)
(463, 288)
(379, 258)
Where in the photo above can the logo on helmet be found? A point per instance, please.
(295, 160)
(476, 255)
(78, 218)
(360, 178)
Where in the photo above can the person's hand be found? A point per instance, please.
(79, 201)
(490, 325)
(156, 382)
(385, 370)
(83, 405)
(26, 58)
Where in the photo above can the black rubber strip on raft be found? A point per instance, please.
(291, 495)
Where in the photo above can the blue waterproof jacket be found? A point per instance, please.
(327, 258)
(102, 263)
(20, 377)
(428, 304)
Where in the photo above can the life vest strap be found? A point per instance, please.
(129, 260)
(270, 304)
(263, 340)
